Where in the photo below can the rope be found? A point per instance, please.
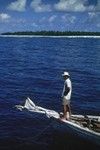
(42, 132)
(36, 137)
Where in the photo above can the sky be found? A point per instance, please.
(56, 15)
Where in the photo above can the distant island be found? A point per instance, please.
(53, 33)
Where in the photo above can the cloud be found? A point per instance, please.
(61, 5)
(18, 5)
(69, 18)
(98, 25)
(70, 5)
(43, 19)
(38, 6)
(34, 24)
(4, 17)
(52, 18)
(77, 5)
(91, 14)
(20, 20)
(94, 18)
(98, 6)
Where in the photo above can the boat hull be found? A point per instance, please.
(76, 131)
(73, 127)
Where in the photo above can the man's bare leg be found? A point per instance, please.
(66, 112)
(69, 110)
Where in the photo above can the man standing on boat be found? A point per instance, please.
(66, 96)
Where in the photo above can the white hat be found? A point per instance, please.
(65, 74)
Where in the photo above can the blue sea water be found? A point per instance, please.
(32, 67)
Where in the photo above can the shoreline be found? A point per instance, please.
(31, 36)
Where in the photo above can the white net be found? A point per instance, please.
(30, 106)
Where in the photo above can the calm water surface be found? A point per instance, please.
(32, 67)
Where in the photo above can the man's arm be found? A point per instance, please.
(67, 89)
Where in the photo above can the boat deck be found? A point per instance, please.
(92, 124)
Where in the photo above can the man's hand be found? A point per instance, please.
(67, 89)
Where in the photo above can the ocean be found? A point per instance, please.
(32, 67)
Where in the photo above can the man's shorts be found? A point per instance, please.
(65, 101)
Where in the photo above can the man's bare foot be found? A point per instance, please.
(68, 119)
(62, 118)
